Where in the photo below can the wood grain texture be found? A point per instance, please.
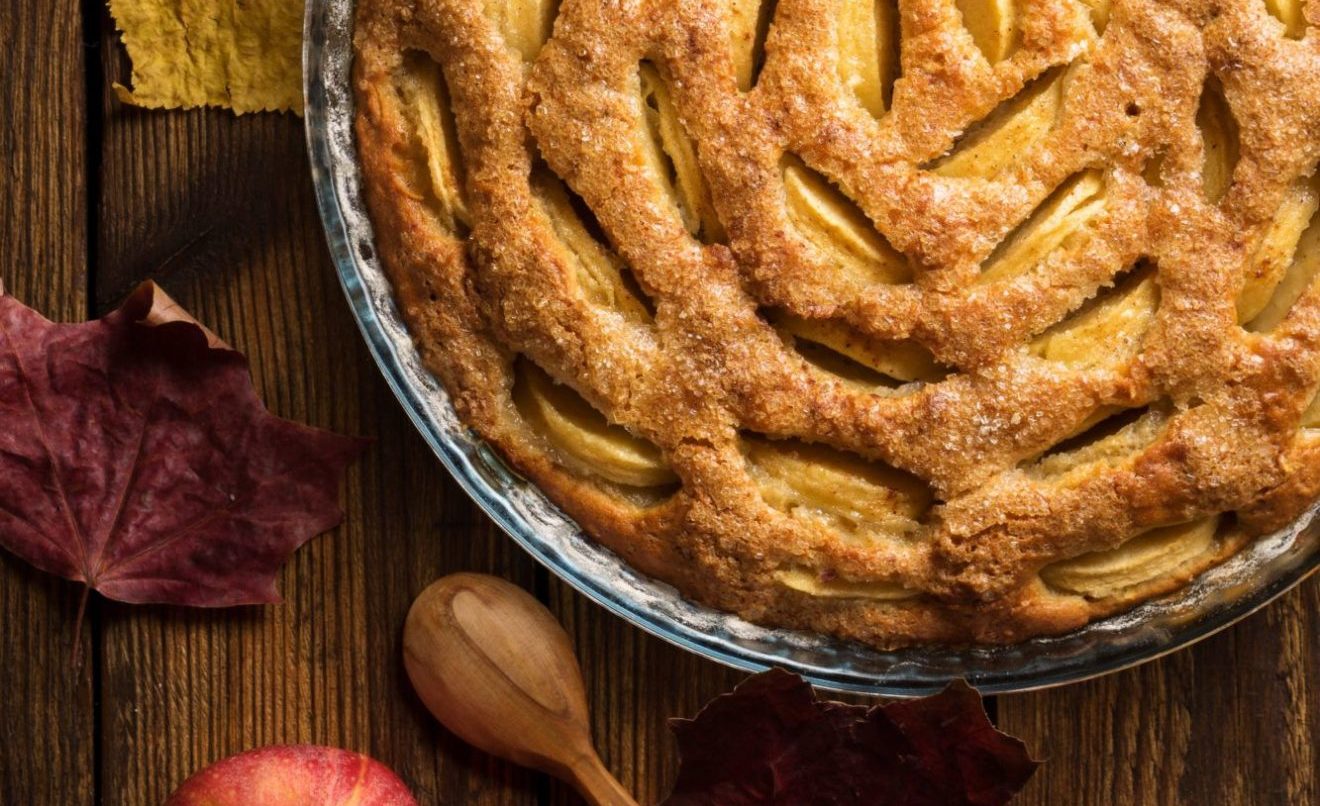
(635, 682)
(1233, 720)
(47, 743)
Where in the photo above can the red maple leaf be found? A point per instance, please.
(135, 457)
(771, 741)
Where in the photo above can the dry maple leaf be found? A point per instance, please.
(136, 458)
(245, 55)
(771, 741)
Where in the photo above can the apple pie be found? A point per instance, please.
(906, 322)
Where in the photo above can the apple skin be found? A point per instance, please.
(294, 775)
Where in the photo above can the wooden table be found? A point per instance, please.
(219, 210)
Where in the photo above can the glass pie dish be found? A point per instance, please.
(1250, 579)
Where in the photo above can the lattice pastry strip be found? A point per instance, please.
(913, 321)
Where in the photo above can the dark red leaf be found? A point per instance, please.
(771, 741)
(137, 458)
(959, 749)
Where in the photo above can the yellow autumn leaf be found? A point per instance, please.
(244, 55)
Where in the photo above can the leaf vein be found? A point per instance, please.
(66, 506)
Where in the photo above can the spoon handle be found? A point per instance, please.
(597, 785)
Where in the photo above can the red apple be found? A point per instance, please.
(294, 775)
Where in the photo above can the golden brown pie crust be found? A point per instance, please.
(1096, 268)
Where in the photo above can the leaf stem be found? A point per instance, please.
(76, 658)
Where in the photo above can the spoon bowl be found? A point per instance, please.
(494, 666)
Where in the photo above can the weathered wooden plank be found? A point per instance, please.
(635, 683)
(1232, 720)
(219, 211)
(47, 720)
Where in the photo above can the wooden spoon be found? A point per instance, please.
(495, 668)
